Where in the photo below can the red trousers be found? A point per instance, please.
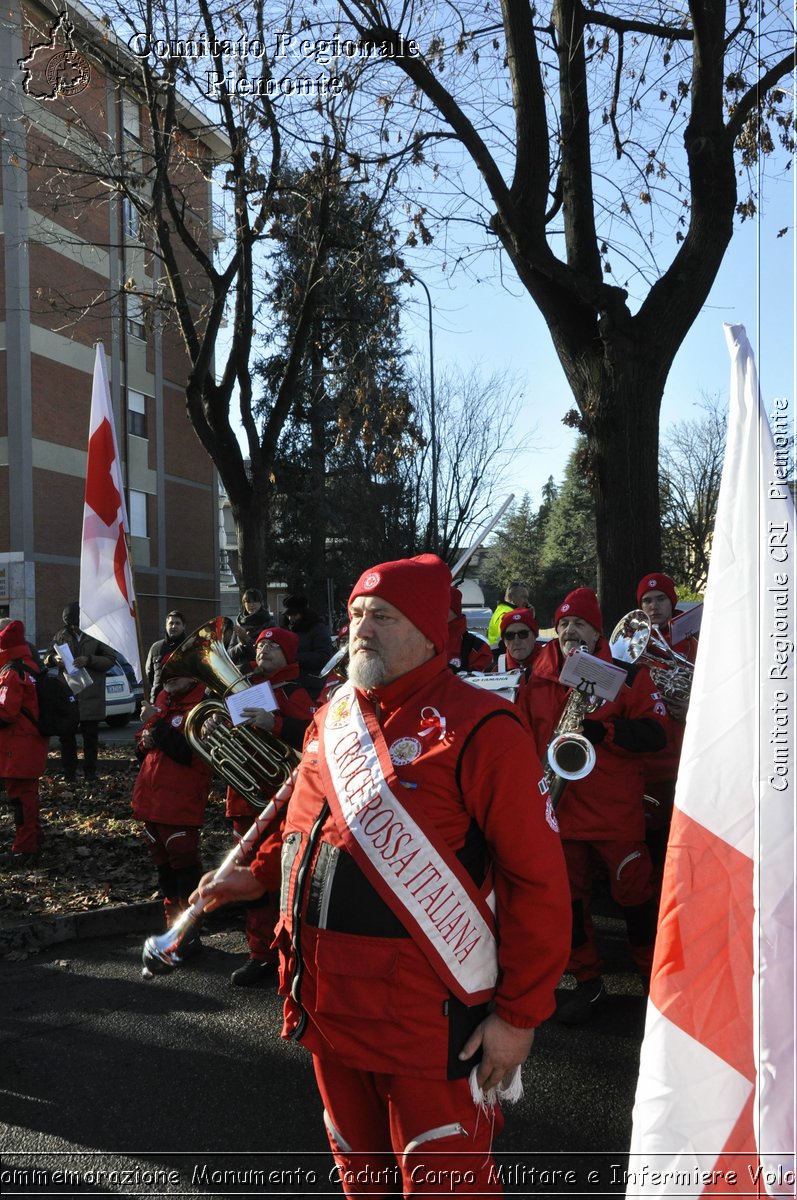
(261, 919)
(631, 884)
(23, 796)
(174, 849)
(394, 1135)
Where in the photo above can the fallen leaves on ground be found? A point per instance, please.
(93, 853)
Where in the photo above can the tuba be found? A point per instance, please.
(250, 760)
(635, 640)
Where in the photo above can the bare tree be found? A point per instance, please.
(691, 461)
(608, 143)
(474, 418)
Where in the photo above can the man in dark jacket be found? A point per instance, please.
(315, 640)
(175, 634)
(97, 659)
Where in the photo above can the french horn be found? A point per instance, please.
(252, 761)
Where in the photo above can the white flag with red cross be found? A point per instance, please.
(107, 598)
(715, 1101)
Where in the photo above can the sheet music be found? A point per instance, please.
(67, 658)
(606, 678)
(259, 695)
(686, 624)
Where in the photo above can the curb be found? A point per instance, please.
(101, 922)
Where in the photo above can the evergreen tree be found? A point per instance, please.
(339, 498)
(569, 552)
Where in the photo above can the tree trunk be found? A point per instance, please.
(253, 528)
(316, 566)
(623, 444)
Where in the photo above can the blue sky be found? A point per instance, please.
(485, 323)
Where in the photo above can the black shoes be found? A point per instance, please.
(581, 1004)
(254, 974)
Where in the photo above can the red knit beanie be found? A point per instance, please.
(420, 588)
(455, 602)
(657, 583)
(12, 641)
(521, 616)
(287, 641)
(581, 603)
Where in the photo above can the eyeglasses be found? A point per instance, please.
(517, 633)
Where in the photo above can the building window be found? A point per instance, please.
(138, 514)
(135, 315)
(132, 221)
(137, 414)
(131, 118)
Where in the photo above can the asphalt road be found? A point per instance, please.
(181, 1085)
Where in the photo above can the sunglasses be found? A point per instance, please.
(517, 633)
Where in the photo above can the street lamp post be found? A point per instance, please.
(398, 263)
(433, 543)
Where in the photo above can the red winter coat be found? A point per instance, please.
(23, 750)
(664, 766)
(173, 782)
(607, 804)
(466, 650)
(362, 988)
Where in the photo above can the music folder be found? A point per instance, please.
(604, 679)
(259, 695)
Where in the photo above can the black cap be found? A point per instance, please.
(71, 614)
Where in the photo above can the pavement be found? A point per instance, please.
(98, 1065)
(31, 936)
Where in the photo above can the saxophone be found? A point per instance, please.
(570, 754)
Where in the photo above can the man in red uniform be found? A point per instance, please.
(601, 816)
(275, 657)
(519, 629)
(171, 794)
(419, 812)
(23, 750)
(657, 598)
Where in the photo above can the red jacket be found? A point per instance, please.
(664, 766)
(467, 651)
(362, 988)
(23, 750)
(173, 782)
(607, 804)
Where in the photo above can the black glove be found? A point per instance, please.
(594, 731)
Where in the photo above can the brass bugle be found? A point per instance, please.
(161, 953)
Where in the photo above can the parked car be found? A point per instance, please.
(478, 619)
(120, 699)
(137, 688)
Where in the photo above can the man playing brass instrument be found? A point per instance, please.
(601, 815)
(657, 598)
(425, 912)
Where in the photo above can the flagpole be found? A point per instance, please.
(134, 605)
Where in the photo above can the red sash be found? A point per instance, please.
(412, 868)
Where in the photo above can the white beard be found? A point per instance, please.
(366, 671)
